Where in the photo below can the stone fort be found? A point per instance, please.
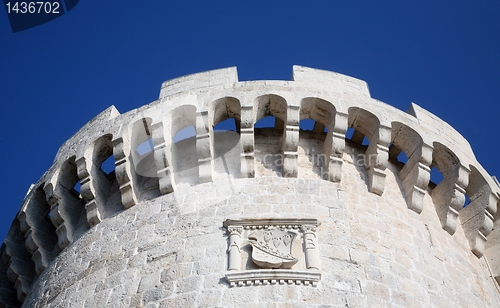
(204, 208)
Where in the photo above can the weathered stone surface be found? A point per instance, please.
(369, 231)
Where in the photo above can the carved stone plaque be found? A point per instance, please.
(272, 248)
(268, 251)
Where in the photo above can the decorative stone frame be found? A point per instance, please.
(305, 272)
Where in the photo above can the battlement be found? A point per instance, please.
(180, 141)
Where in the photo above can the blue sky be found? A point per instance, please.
(442, 55)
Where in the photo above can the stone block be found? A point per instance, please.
(148, 282)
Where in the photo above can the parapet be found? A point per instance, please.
(330, 81)
(197, 81)
(152, 158)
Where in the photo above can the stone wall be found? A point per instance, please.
(374, 252)
(180, 223)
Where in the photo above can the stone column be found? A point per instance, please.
(311, 253)
(234, 249)
(291, 142)
(247, 142)
(203, 147)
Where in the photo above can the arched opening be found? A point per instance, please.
(185, 134)
(467, 201)
(225, 134)
(266, 122)
(402, 157)
(69, 182)
(108, 165)
(361, 126)
(184, 153)
(349, 133)
(314, 155)
(358, 138)
(142, 154)
(311, 150)
(412, 157)
(436, 177)
(397, 156)
(76, 189)
(185, 156)
(444, 165)
(307, 124)
(67, 205)
(364, 126)
(312, 125)
(107, 188)
(270, 118)
(447, 195)
(145, 147)
(369, 147)
(228, 124)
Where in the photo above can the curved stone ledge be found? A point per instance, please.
(265, 277)
(54, 214)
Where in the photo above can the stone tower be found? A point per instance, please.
(339, 215)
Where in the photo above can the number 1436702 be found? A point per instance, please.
(39, 7)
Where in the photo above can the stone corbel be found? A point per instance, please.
(123, 169)
(448, 197)
(8, 293)
(41, 256)
(23, 287)
(376, 159)
(492, 250)
(37, 242)
(203, 147)
(477, 217)
(61, 214)
(485, 225)
(291, 142)
(247, 142)
(32, 244)
(415, 177)
(334, 146)
(161, 159)
(20, 269)
(56, 217)
(88, 191)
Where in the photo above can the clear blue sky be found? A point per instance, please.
(442, 55)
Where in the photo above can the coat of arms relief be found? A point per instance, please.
(272, 248)
(270, 251)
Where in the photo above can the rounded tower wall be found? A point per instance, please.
(184, 214)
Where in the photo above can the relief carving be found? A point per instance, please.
(272, 248)
(269, 251)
